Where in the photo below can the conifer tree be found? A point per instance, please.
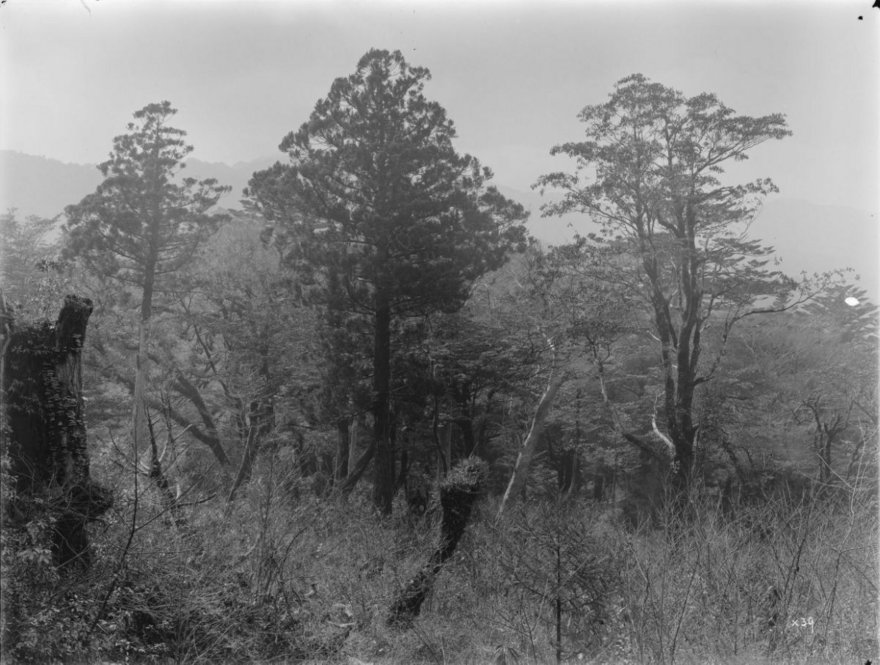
(143, 224)
(377, 204)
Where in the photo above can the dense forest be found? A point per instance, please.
(368, 419)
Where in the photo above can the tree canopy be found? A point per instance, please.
(370, 310)
(390, 220)
(142, 221)
(649, 171)
(143, 224)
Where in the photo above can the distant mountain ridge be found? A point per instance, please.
(807, 237)
(44, 187)
(236, 176)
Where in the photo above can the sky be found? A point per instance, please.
(512, 74)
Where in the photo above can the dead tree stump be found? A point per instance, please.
(458, 494)
(45, 434)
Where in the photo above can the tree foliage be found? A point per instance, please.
(31, 274)
(373, 281)
(809, 381)
(142, 222)
(386, 216)
(142, 225)
(649, 172)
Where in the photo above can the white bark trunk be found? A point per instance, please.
(527, 451)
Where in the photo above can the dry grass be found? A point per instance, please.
(284, 576)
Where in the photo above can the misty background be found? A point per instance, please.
(512, 75)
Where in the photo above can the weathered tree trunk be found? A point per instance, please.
(47, 447)
(527, 451)
(458, 493)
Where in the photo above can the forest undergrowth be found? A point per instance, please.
(283, 575)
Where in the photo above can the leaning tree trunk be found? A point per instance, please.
(45, 434)
(458, 493)
(527, 450)
(260, 421)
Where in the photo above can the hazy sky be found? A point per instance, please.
(512, 74)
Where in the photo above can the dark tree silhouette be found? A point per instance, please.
(386, 215)
(45, 434)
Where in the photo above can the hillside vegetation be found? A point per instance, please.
(367, 418)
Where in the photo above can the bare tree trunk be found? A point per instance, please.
(527, 451)
(47, 446)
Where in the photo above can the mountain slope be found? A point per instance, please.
(43, 187)
(807, 237)
(236, 176)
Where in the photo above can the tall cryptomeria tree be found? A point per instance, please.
(648, 172)
(377, 202)
(143, 223)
